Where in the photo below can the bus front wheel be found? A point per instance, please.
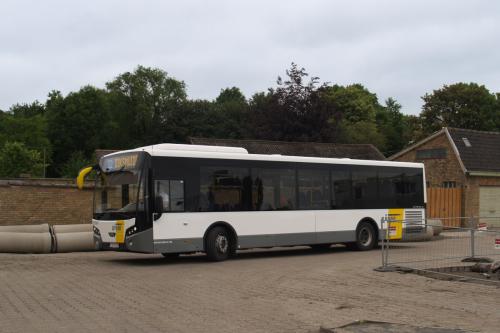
(366, 237)
(217, 244)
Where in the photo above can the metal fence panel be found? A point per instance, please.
(454, 249)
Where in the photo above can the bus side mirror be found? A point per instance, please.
(158, 204)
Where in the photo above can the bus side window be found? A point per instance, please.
(314, 189)
(172, 193)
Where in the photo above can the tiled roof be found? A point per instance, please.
(478, 150)
(358, 151)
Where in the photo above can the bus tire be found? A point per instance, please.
(217, 244)
(366, 237)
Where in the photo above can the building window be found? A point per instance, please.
(423, 154)
(466, 142)
(449, 184)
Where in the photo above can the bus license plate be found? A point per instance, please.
(113, 245)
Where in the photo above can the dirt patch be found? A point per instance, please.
(457, 273)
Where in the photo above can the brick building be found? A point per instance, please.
(461, 158)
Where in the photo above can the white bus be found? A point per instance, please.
(174, 199)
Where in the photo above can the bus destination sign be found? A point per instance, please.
(120, 162)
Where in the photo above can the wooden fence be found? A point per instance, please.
(445, 203)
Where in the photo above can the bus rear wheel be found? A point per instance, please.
(366, 237)
(217, 244)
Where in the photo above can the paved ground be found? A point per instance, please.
(287, 290)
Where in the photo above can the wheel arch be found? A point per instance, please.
(232, 233)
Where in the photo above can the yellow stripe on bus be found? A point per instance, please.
(395, 229)
(120, 231)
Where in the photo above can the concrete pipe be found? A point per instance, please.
(25, 228)
(65, 228)
(422, 236)
(74, 242)
(23, 242)
(437, 225)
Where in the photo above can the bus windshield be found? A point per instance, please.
(117, 192)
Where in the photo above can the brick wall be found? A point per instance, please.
(53, 201)
(472, 193)
(438, 170)
(448, 169)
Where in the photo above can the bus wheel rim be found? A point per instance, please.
(221, 243)
(365, 236)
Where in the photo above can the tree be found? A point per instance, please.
(295, 111)
(16, 159)
(189, 119)
(27, 110)
(356, 115)
(231, 95)
(77, 122)
(26, 124)
(74, 164)
(227, 116)
(32, 131)
(463, 105)
(361, 132)
(142, 103)
(355, 102)
(391, 125)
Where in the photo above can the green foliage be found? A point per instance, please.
(17, 159)
(74, 164)
(463, 105)
(147, 106)
(355, 102)
(28, 110)
(295, 111)
(32, 131)
(142, 103)
(227, 117)
(231, 95)
(77, 122)
(361, 132)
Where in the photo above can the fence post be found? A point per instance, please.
(472, 229)
(385, 248)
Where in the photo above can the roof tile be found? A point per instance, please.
(311, 149)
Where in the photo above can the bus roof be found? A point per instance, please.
(237, 153)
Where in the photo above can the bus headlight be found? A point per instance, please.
(131, 231)
(96, 231)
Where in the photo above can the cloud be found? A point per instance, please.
(396, 49)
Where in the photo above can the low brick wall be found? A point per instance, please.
(35, 201)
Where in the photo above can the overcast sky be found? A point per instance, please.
(399, 49)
